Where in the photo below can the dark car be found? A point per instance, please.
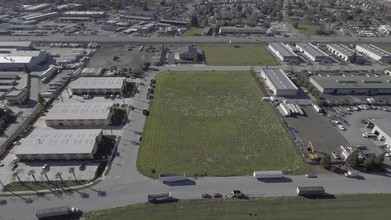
(217, 195)
(206, 196)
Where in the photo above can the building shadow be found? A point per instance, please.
(171, 200)
(186, 182)
(277, 180)
(324, 196)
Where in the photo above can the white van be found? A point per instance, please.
(369, 135)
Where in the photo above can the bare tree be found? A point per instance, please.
(59, 176)
(72, 171)
(46, 176)
(32, 173)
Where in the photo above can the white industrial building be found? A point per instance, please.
(385, 29)
(92, 72)
(18, 45)
(17, 97)
(283, 52)
(278, 82)
(90, 14)
(39, 17)
(13, 59)
(351, 84)
(382, 128)
(59, 144)
(79, 114)
(38, 7)
(341, 51)
(312, 52)
(98, 85)
(374, 52)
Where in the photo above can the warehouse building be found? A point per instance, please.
(374, 52)
(92, 72)
(17, 97)
(341, 51)
(98, 85)
(39, 17)
(382, 128)
(312, 52)
(18, 45)
(59, 144)
(13, 59)
(350, 84)
(79, 114)
(89, 14)
(283, 52)
(310, 190)
(278, 82)
(241, 30)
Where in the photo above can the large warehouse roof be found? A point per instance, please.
(353, 82)
(15, 44)
(279, 79)
(374, 50)
(97, 83)
(342, 49)
(384, 124)
(72, 141)
(79, 111)
(282, 49)
(312, 50)
(15, 59)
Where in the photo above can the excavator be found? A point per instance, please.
(311, 152)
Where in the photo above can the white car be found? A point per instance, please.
(46, 167)
(388, 155)
(350, 148)
(1, 164)
(341, 127)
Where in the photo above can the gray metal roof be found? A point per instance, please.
(13, 44)
(378, 51)
(353, 82)
(279, 79)
(384, 124)
(342, 49)
(311, 49)
(187, 48)
(79, 111)
(97, 83)
(63, 141)
(283, 49)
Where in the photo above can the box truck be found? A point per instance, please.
(56, 212)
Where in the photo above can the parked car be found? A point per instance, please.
(82, 166)
(140, 138)
(310, 175)
(341, 127)
(388, 155)
(217, 195)
(45, 167)
(206, 196)
(1, 164)
(335, 155)
(350, 148)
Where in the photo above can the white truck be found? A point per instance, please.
(172, 177)
(351, 174)
(268, 174)
(56, 212)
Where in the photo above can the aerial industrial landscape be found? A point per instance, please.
(206, 109)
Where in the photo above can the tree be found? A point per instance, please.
(26, 69)
(72, 171)
(379, 160)
(194, 21)
(32, 173)
(146, 66)
(326, 161)
(145, 5)
(59, 176)
(354, 57)
(137, 71)
(295, 24)
(162, 3)
(369, 162)
(46, 176)
(15, 174)
(352, 159)
(41, 100)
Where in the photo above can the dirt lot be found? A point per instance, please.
(104, 57)
(316, 129)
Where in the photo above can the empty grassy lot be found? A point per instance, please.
(193, 31)
(308, 29)
(342, 207)
(386, 47)
(214, 123)
(243, 55)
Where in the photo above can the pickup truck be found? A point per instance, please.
(56, 212)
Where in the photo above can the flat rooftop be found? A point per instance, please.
(12, 44)
(342, 49)
(15, 59)
(384, 124)
(353, 82)
(279, 79)
(376, 50)
(283, 50)
(63, 141)
(79, 111)
(312, 50)
(97, 83)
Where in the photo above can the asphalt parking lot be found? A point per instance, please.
(316, 129)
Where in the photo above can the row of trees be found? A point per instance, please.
(372, 162)
(32, 173)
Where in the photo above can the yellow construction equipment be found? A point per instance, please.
(311, 152)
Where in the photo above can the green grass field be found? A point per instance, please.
(346, 207)
(214, 123)
(308, 29)
(244, 55)
(193, 31)
(386, 47)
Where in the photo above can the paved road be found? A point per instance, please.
(124, 185)
(197, 40)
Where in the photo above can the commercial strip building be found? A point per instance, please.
(17, 97)
(350, 84)
(241, 30)
(382, 128)
(14, 59)
(97, 85)
(278, 82)
(312, 52)
(89, 14)
(374, 52)
(79, 114)
(341, 51)
(59, 144)
(283, 52)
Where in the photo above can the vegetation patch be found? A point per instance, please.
(214, 123)
(342, 207)
(311, 29)
(194, 31)
(238, 55)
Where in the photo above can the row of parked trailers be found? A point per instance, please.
(291, 109)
